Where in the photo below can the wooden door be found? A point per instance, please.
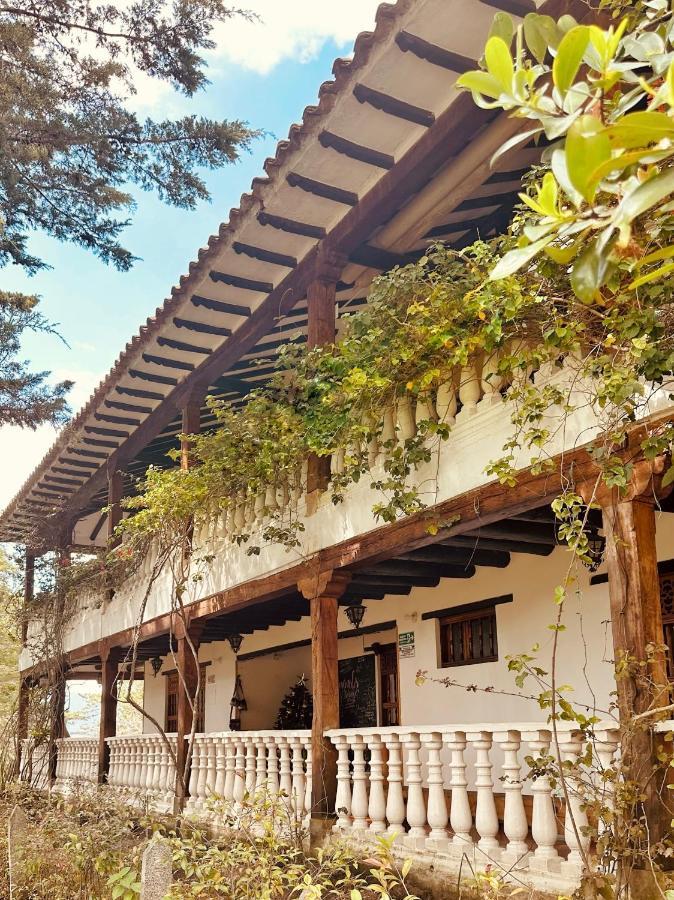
(389, 698)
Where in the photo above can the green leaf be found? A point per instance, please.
(480, 83)
(515, 259)
(638, 129)
(502, 27)
(587, 148)
(588, 272)
(653, 275)
(667, 479)
(407, 865)
(500, 63)
(540, 33)
(640, 200)
(569, 57)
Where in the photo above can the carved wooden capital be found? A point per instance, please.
(329, 583)
(644, 485)
(329, 265)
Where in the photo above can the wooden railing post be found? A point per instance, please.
(638, 637)
(191, 424)
(110, 658)
(321, 329)
(323, 591)
(115, 493)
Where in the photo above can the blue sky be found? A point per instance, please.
(265, 74)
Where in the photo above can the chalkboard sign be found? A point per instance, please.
(357, 692)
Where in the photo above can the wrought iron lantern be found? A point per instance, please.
(237, 705)
(156, 662)
(355, 615)
(235, 641)
(596, 545)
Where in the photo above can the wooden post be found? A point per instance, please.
(191, 424)
(57, 679)
(188, 685)
(110, 658)
(21, 722)
(115, 493)
(638, 637)
(323, 591)
(28, 593)
(321, 329)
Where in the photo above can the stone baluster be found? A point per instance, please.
(491, 381)
(270, 504)
(460, 817)
(388, 432)
(577, 839)
(285, 776)
(149, 767)
(425, 410)
(299, 783)
(606, 745)
(359, 799)
(250, 762)
(125, 763)
(193, 802)
(469, 391)
(220, 766)
(343, 795)
(164, 762)
(261, 766)
(272, 766)
(140, 764)
(416, 810)
(230, 766)
(486, 819)
(395, 801)
(172, 772)
(446, 402)
(438, 838)
(113, 768)
(377, 801)
(405, 420)
(515, 825)
(239, 771)
(337, 461)
(259, 507)
(210, 766)
(306, 743)
(544, 824)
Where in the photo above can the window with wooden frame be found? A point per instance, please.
(171, 717)
(468, 638)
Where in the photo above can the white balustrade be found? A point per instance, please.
(76, 763)
(142, 769)
(443, 788)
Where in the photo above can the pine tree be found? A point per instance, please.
(296, 708)
(71, 146)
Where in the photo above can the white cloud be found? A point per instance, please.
(294, 29)
(21, 449)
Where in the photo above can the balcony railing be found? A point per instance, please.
(141, 767)
(76, 762)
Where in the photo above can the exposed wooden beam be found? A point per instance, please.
(97, 527)
(128, 407)
(268, 256)
(377, 258)
(243, 284)
(117, 420)
(67, 481)
(232, 309)
(79, 463)
(202, 327)
(139, 392)
(320, 189)
(151, 376)
(469, 555)
(110, 432)
(356, 151)
(291, 226)
(434, 54)
(392, 106)
(394, 567)
(93, 442)
(525, 533)
(480, 542)
(181, 345)
(81, 475)
(168, 363)
(515, 7)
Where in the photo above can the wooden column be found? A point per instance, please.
(115, 493)
(638, 637)
(321, 329)
(323, 591)
(191, 424)
(188, 684)
(110, 658)
(57, 701)
(28, 593)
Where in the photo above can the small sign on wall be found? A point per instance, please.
(406, 644)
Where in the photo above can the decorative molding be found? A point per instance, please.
(466, 608)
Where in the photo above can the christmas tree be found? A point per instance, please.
(296, 708)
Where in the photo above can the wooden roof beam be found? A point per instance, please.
(392, 106)
(320, 189)
(243, 284)
(180, 345)
(356, 151)
(118, 420)
(139, 392)
(150, 376)
(432, 53)
(290, 226)
(268, 256)
(202, 327)
(232, 309)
